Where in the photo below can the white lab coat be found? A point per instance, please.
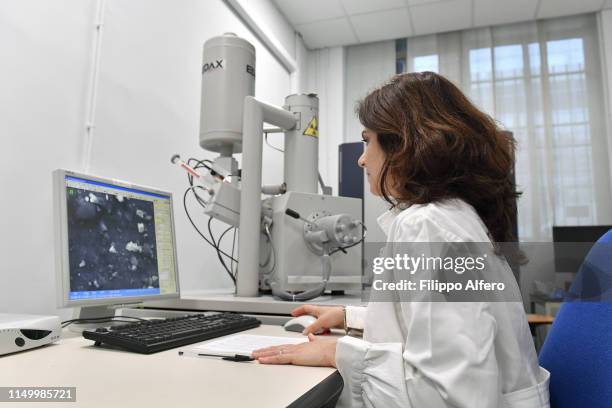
(440, 354)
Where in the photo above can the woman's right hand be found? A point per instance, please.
(328, 317)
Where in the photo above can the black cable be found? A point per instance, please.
(199, 199)
(231, 267)
(219, 245)
(363, 236)
(212, 238)
(346, 247)
(273, 147)
(223, 234)
(212, 242)
(199, 164)
(103, 319)
(202, 163)
(218, 249)
(272, 254)
(233, 246)
(195, 227)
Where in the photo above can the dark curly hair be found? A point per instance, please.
(438, 145)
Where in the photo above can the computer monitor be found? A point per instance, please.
(573, 243)
(115, 244)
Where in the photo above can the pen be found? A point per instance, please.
(236, 357)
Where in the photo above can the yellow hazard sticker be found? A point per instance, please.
(313, 128)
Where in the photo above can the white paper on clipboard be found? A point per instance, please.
(243, 344)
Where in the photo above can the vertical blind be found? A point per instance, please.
(542, 81)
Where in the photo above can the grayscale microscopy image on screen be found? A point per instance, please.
(111, 242)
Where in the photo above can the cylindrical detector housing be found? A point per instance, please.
(302, 144)
(228, 76)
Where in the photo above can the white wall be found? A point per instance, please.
(147, 109)
(367, 67)
(43, 65)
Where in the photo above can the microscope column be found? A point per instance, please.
(302, 144)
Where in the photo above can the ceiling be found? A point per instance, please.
(327, 23)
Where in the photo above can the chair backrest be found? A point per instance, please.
(578, 348)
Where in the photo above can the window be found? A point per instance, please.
(425, 63)
(541, 81)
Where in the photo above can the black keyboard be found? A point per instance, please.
(159, 335)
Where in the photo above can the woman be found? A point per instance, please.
(445, 168)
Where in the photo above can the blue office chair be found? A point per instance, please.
(578, 348)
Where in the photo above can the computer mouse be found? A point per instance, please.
(298, 324)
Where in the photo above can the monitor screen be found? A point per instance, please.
(573, 243)
(120, 241)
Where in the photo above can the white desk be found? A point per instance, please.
(112, 378)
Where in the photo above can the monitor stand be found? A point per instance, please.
(96, 313)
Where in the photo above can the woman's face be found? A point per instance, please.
(372, 160)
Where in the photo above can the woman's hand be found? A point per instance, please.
(316, 352)
(328, 317)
